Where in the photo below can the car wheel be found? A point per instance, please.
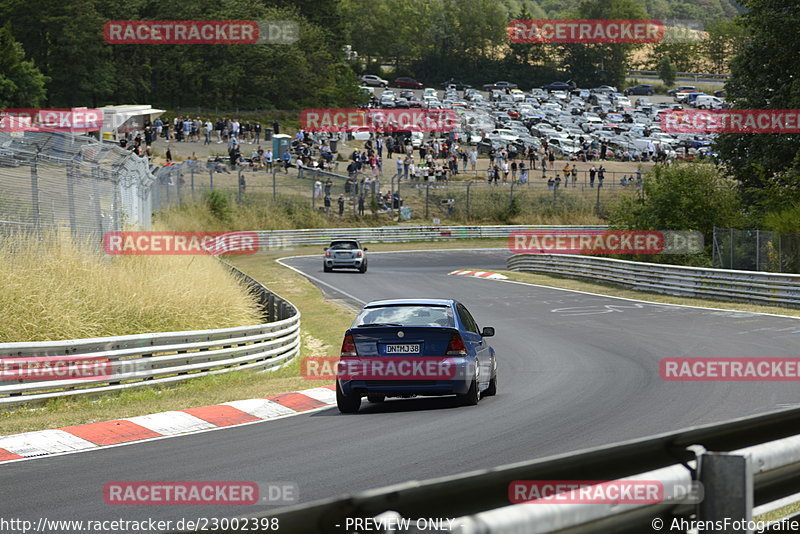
(383, 85)
(492, 389)
(376, 398)
(650, 93)
(471, 397)
(363, 268)
(347, 403)
(326, 269)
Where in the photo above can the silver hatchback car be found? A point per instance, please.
(345, 253)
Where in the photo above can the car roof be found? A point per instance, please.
(422, 302)
(339, 239)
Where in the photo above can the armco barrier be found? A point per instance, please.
(746, 466)
(398, 234)
(147, 359)
(718, 284)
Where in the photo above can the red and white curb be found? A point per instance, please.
(480, 274)
(164, 424)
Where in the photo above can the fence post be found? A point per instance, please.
(271, 308)
(239, 179)
(731, 264)
(73, 222)
(758, 249)
(37, 215)
(511, 197)
(427, 197)
(96, 200)
(597, 206)
(313, 194)
(274, 190)
(192, 172)
(727, 481)
(469, 184)
(211, 178)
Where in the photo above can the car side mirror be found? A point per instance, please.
(488, 331)
(365, 249)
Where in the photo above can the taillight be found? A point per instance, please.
(456, 346)
(327, 253)
(348, 346)
(358, 254)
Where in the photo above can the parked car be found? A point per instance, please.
(409, 83)
(641, 89)
(708, 102)
(458, 86)
(559, 86)
(604, 89)
(406, 94)
(374, 81)
(410, 330)
(680, 89)
(402, 103)
(345, 253)
(499, 85)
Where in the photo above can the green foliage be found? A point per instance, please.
(784, 221)
(666, 71)
(766, 75)
(681, 197)
(218, 205)
(21, 83)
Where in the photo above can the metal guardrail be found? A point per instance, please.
(739, 464)
(683, 74)
(719, 284)
(398, 234)
(145, 359)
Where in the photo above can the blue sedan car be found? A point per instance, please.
(405, 348)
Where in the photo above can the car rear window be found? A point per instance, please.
(406, 315)
(344, 245)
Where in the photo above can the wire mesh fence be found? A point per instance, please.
(756, 250)
(59, 181)
(360, 193)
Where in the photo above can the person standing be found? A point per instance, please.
(361, 205)
(328, 205)
(601, 175)
(566, 172)
(592, 172)
(276, 128)
(574, 175)
(523, 173)
(514, 171)
(328, 185)
(341, 205)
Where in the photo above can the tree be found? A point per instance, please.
(765, 75)
(594, 64)
(21, 83)
(688, 196)
(666, 71)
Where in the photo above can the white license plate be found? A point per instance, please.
(403, 349)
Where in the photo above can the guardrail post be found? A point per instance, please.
(271, 308)
(727, 481)
(469, 184)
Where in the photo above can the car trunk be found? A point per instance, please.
(402, 340)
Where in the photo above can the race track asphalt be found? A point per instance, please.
(575, 371)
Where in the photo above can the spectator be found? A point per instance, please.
(328, 205)
(566, 172)
(592, 172)
(361, 205)
(317, 189)
(574, 175)
(328, 185)
(276, 128)
(341, 205)
(523, 173)
(601, 175)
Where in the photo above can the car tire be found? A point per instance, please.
(363, 268)
(383, 85)
(472, 396)
(491, 391)
(347, 403)
(326, 269)
(376, 398)
(650, 93)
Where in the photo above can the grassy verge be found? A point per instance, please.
(56, 289)
(617, 291)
